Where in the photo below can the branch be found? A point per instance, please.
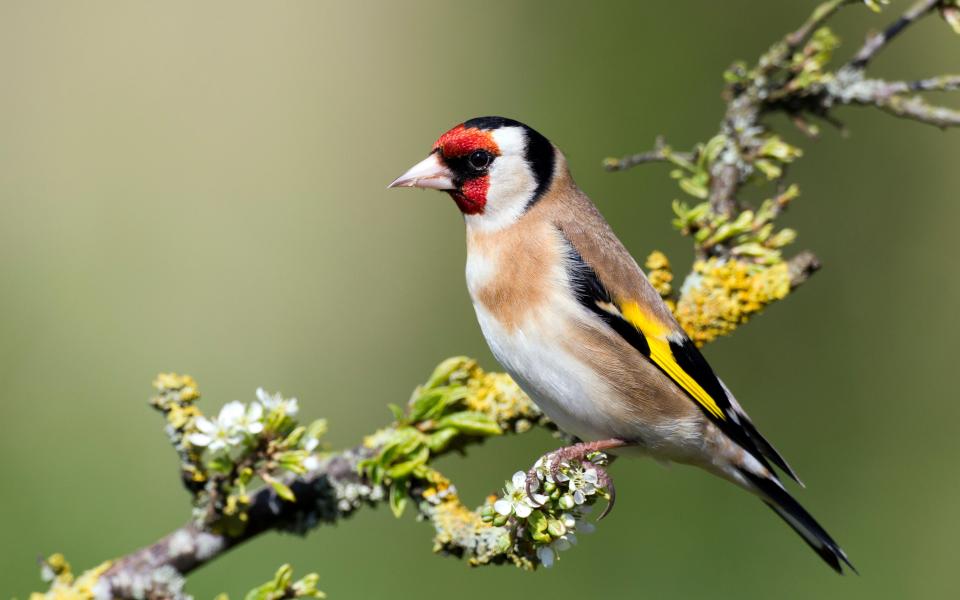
(878, 41)
(321, 497)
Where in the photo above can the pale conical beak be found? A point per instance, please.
(428, 173)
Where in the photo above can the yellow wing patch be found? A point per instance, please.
(656, 332)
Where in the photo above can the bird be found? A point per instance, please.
(571, 316)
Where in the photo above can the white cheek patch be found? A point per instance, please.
(512, 182)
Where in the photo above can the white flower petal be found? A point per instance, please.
(568, 520)
(231, 413)
(545, 554)
(292, 407)
(199, 439)
(204, 424)
(255, 412)
(590, 476)
(561, 544)
(585, 527)
(539, 499)
(503, 507)
(522, 509)
(571, 538)
(262, 395)
(578, 497)
(519, 480)
(255, 428)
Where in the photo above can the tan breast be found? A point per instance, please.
(513, 271)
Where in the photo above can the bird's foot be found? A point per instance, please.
(578, 467)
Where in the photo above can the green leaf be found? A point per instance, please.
(278, 486)
(695, 187)
(711, 151)
(471, 423)
(438, 440)
(398, 412)
(399, 497)
(403, 469)
(273, 589)
(292, 461)
(447, 371)
(768, 167)
(294, 437)
(774, 147)
(782, 238)
(220, 463)
(427, 405)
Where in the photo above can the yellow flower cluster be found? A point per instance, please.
(724, 294)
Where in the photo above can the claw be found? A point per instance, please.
(531, 485)
(578, 452)
(607, 482)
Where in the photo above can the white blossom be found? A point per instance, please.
(272, 402)
(582, 481)
(221, 432)
(545, 554)
(515, 500)
(249, 421)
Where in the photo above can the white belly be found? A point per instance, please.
(564, 388)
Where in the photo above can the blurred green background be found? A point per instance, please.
(200, 187)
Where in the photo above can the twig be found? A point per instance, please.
(819, 16)
(918, 109)
(943, 83)
(660, 153)
(877, 41)
(801, 267)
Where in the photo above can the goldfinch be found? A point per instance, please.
(571, 316)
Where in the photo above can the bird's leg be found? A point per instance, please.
(552, 461)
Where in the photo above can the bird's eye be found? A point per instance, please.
(480, 159)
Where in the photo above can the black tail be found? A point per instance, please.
(802, 522)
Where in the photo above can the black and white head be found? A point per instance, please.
(494, 168)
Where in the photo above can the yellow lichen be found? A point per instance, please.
(64, 586)
(172, 382)
(659, 273)
(498, 395)
(721, 295)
